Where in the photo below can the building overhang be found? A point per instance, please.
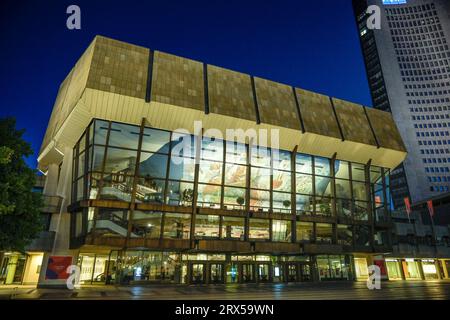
(117, 81)
(114, 107)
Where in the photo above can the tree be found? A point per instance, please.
(20, 207)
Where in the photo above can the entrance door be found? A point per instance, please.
(19, 269)
(305, 272)
(292, 272)
(248, 273)
(198, 273)
(232, 273)
(4, 270)
(337, 270)
(100, 269)
(393, 270)
(278, 273)
(216, 274)
(361, 269)
(411, 269)
(263, 272)
(12, 269)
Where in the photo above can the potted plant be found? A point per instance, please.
(325, 209)
(240, 201)
(187, 195)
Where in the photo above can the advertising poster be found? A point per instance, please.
(57, 266)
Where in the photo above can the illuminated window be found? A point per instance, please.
(206, 226)
(281, 230)
(305, 231)
(233, 228)
(146, 224)
(177, 226)
(259, 229)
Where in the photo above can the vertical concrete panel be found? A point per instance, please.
(230, 93)
(317, 113)
(178, 81)
(277, 104)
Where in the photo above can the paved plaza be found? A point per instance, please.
(299, 291)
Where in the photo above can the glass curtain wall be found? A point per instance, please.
(151, 266)
(260, 179)
(235, 176)
(334, 267)
(109, 163)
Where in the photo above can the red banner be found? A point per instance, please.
(407, 205)
(382, 266)
(430, 207)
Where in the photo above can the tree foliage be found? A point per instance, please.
(20, 207)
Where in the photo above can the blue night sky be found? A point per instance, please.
(309, 44)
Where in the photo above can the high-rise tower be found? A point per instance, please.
(408, 70)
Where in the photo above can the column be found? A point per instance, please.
(438, 269)
(60, 223)
(51, 180)
(444, 268)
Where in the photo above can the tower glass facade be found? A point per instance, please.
(408, 68)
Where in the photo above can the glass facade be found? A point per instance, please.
(166, 171)
(115, 161)
(334, 267)
(200, 189)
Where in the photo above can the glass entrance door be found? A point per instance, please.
(278, 273)
(333, 267)
(20, 268)
(411, 269)
(305, 272)
(263, 272)
(248, 273)
(292, 272)
(337, 270)
(216, 273)
(94, 268)
(232, 273)
(393, 270)
(361, 269)
(3, 270)
(12, 268)
(197, 273)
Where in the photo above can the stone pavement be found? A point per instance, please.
(409, 290)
